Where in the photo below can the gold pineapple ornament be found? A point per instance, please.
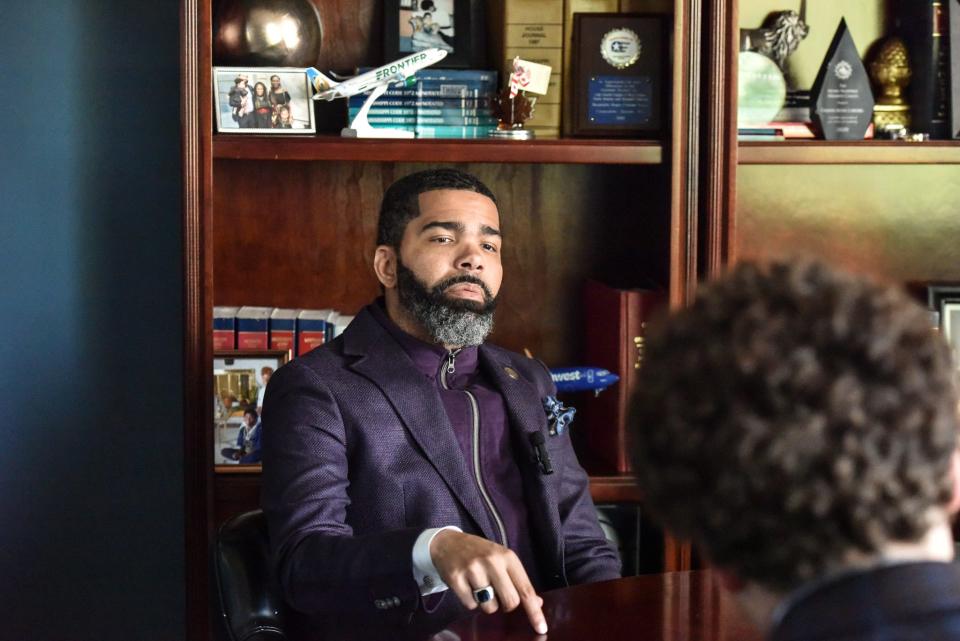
(891, 72)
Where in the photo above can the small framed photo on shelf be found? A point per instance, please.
(944, 301)
(456, 26)
(263, 100)
(239, 381)
(620, 81)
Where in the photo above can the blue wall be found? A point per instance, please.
(91, 461)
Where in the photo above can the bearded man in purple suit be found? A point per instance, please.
(410, 472)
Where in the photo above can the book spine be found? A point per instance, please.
(311, 334)
(446, 93)
(533, 30)
(378, 110)
(284, 340)
(614, 341)
(224, 333)
(444, 131)
(416, 120)
(252, 333)
(282, 334)
(925, 30)
(463, 75)
(428, 103)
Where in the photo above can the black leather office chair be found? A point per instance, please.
(251, 603)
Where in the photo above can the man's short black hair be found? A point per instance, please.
(401, 202)
(251, 410)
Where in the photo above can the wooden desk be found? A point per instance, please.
(677, 606)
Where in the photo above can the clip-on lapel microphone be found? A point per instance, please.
(540, 450)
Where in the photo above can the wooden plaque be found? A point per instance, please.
(620, 63)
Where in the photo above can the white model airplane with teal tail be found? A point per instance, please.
(376, 81)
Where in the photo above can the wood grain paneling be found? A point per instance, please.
(296, 234)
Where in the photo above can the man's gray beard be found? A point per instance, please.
(450, 326)
(449, 322)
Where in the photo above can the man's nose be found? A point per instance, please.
(471, 259)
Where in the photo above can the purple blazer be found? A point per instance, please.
(359, 457)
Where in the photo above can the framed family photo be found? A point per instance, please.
(239, 381)
(456, 26)
(263, 100)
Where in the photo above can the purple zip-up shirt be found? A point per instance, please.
(499, 474)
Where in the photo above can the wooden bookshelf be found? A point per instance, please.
(867, 152)
(289, 221)
(332, 147)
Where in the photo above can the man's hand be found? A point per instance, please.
(467, 563)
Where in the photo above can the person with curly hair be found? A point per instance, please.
(799, 425)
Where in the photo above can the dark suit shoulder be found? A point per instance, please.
(324, 357)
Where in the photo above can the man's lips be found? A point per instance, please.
(466, 290)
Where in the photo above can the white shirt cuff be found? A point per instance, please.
(424, 572)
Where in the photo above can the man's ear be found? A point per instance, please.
(954, 506)
(385, 266)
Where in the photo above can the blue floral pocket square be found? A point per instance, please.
(559, 417)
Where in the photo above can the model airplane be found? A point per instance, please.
(581, 379)
(376, 81)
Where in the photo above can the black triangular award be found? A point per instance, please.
(841, 102)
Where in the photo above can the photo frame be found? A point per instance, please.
(285, 108)
(238, 386)
(944, 301)
(457, 26)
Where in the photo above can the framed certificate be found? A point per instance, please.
(620, 79)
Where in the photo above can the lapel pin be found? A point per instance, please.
(512, 373)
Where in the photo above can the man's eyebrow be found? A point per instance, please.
(459, 227)
(444, 224)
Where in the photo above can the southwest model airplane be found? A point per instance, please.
(376, 81)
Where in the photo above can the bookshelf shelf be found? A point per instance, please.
(599, 152)
(615, 489)
(822, 152)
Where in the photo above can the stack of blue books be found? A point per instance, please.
(436, 103)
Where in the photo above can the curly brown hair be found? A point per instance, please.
(793, 414)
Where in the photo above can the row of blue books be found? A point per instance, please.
(436, 103)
